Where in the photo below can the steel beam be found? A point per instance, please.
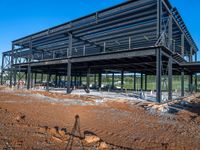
(69, 53)
(190, 55)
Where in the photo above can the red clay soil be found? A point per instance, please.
(28, 122)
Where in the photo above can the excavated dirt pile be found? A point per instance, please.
(42, 120)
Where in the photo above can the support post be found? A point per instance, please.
(41, 78)
(100, 79)
(134, 86)
(29, 77)
(31, 80)
(75, 80)
(113, 80)
(80, 80)
(88, 78)
(196, 83)
(182, 83)
(68, 77)
(159, 18)
(48, 79)
(170, 78)
(141, 82)
(2, 69)
(145, 82)
(56, 80)
(35, 78)
(158, 75)
(11, 65)
(190, 82)
(122, 80)
(95, 80)
(59, 80)
(14, 76)
(170, 38)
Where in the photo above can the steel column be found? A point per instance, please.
(26, 78)
(48, 79)
(11, 65)
(35, 78)
(80, 79)
(31, 80)
(170, 78)
(100, 80)
(141, 81)
(170, 38)
(134, 80)
(68, 77)
(41, 78)
(113, 80)
(95, 80)
(182, 83)
(122, 80)
(56, 80)
(145, 82)
(190, 82)
(196, 82)
(29, 77)
(158, 75)
(159, 18)
(14, 76)
(88, 78)
(2, 69)
(75, 80)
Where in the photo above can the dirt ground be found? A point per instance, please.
(41, 120)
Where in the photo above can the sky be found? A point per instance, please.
(19, 18)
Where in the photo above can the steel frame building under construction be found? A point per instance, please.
(139, 36)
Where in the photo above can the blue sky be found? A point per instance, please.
(19, 18)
